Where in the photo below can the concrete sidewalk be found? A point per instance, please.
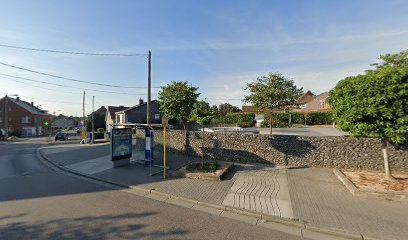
(312, 195)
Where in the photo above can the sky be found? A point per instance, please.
(218, 46)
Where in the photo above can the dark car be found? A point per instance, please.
(2, 135)
(61, 136)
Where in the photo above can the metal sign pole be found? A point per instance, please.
(164, 152)
(151, 147)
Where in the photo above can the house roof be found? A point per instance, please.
(27, 106)
(316, 103)
(137, 106)
(307, 97)
(113, 109)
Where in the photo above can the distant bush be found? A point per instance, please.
(242, 119)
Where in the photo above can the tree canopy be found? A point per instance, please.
(202, 113)
(225, 108)
(177, 100)
(375, 104)
(272, 91)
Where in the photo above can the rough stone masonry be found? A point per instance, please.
(340, 152)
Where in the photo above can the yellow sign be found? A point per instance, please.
(165, 121)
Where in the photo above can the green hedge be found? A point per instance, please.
(281, 119)
(242, 119)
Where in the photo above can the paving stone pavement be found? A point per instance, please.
(320, 198)
(264, 191)
(315, 195)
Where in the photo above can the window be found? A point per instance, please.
(156, 116)
(1, 120)
(9, 119)
(0, 109)
(9, 108)
(26, 120)
(303, 106)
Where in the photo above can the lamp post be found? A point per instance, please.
(5, 114)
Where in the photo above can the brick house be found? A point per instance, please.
(24, 118)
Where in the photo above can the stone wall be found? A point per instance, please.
(340, 152)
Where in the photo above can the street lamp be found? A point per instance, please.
(5, 114)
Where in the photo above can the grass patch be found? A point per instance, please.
(203, 167)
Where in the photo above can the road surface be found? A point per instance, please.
(39, 203)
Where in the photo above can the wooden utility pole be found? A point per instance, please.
(93, 112)
(149, 85)
(5, 117)
(83, 117)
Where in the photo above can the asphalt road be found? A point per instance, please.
(39, 203)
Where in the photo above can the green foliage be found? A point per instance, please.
(177, 100)
(225, 108)
(203, 167)
(99, 121)
(375, 103)
(202, 113)
(242, 119)
(272, 91)
(101, 130)
(318, 118)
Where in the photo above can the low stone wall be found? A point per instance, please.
(340, 152)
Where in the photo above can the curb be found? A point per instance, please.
(395, 196)
(290, 226)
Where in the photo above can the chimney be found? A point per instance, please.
(32, 103)
(140, 101)
(18, 98)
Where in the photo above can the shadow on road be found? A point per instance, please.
(100, 227)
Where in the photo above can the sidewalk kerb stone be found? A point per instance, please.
(179, 202)
(239, 217)
(297, 231)
(323, 234)
(206, 209)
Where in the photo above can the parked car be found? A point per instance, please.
(2, 135)
(61, 136)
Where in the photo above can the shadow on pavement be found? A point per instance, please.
(100, 227)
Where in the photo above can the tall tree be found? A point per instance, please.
(202, 113)
(375, 104)
(177, 101)
(271, 92)
(225, 108)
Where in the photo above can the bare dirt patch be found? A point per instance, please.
(376, 181)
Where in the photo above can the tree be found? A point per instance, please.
(375, 104)
(225, 108)
(99, 119)
(177, 101)
(271, 92)
(203, 113)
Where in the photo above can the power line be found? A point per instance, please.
(40, 99)
(66, 78)
(75, 53)
(29, 84)
(61, 85)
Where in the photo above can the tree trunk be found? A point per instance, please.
(386, 163)
(184, 125)
(270, 124)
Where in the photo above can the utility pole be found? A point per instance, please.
(93, 110)
(83, 117)
(5, 117)
(149, 85)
